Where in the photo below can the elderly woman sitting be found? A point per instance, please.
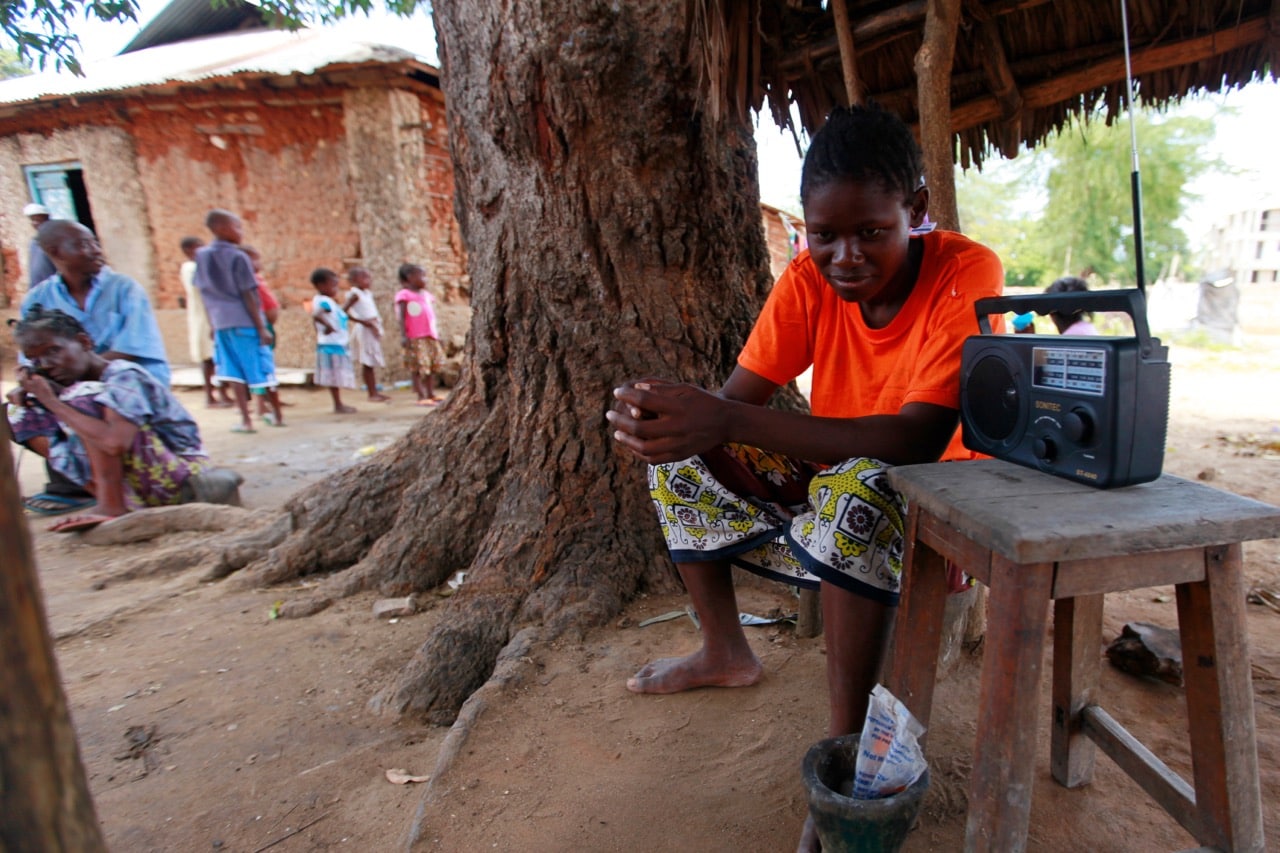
(107, 425)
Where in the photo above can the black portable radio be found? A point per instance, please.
(1092, 409)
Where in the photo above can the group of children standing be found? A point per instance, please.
(352, 332)
(231, 307)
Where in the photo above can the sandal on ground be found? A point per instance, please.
(243, 429)
(79, 523)
(270, 420)
(49, 504)
(427, 402)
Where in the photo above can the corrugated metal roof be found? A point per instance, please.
(187, 19)
(273, 52)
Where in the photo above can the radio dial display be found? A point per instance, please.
(1068, 369)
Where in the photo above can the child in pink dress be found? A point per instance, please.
(419, 339)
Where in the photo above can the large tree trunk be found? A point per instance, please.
(44, 796)
(612, 232)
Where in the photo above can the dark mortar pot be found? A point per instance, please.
(848, 825)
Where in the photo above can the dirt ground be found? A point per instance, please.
(206, 725)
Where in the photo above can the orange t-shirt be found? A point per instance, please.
(861, 371)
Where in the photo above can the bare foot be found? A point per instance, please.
(83, 521)
(343, 410)
(218, 404)
(672, 675)
(379, 398)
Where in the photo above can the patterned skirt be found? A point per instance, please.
(334, 369)
(423, 355)
(784, 518)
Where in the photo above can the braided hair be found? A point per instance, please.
(49, 320)
(863, 144)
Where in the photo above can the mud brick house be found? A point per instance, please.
(333, 152)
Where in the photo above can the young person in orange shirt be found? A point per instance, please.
(880, 313)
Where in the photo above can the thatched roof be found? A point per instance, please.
(1021, 67)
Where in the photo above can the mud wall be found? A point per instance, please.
(402, 180)
(277, 160)
(106, 154)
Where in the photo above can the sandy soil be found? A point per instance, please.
(206, 725)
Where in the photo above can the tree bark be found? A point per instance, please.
(933, 71)
(611, 231)
(44, 796)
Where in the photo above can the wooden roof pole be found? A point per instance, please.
(49, 807)
(848, 56)
(933, 85)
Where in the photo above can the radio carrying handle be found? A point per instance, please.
(1131, 301)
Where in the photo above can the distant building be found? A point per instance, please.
(1248, 245)
(784, 235)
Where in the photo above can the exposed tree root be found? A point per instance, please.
(245, 549)
(513, 662)
(457, 658)
(154, 522)
(168, 561)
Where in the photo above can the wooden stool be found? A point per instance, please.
(1032, 538)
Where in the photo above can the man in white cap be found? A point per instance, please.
(39, 267)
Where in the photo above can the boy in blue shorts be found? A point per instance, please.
(241, 342)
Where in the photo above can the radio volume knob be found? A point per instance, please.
(1077, 425)
(1044, 448)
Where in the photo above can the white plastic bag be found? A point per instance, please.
(889, 756)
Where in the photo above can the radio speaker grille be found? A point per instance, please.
(990, 399)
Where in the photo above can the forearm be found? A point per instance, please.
(662, 422)
(253, 305)
(899, 439)
(112, 355)
(111, 435)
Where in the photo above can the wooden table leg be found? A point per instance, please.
(1215, 656)
(911, 661)
(1004, 757)
(1077, 662)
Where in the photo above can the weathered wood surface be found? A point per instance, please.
(1166, 531)
(1220, 715)
(1008, 708)
(911, 661)
(1028, 516)
(44, 797)
(1077, 665)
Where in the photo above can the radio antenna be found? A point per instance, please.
(1135, 177)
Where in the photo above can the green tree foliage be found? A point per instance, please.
(1089, 215)
(11, 66)
(999, 209)
(42, 30)
(1067, 206)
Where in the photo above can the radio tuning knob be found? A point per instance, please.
(1077, 425)
(1044, 449)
